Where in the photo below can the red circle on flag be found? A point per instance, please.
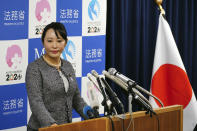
(171, 85)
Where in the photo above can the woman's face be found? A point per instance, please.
(53, 45)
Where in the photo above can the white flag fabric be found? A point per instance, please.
(170, 82)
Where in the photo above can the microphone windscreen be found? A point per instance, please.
(95, 74)
(112, 71)
(88, 112)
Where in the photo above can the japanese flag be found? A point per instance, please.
(170, 82)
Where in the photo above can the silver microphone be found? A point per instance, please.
(114, 98)
(95, 83)
(100, 86)
(95, 74)
(114, 72)
(117, 81)
(124, 86)
(137, 95)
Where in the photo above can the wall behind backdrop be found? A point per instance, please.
(21, 25)
(131, 38)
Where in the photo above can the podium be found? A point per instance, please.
(168, 119)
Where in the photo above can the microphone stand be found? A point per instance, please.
(109, 109)
(130, 99)
(132, 95)
(114, 98)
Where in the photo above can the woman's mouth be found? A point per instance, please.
(54, 52)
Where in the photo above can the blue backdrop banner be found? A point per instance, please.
(21, 26)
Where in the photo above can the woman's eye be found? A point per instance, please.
(49, 40)
(59, 41)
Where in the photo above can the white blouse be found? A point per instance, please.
(65, 80)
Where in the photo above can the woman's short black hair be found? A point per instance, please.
(58, 28)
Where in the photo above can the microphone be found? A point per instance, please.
(95, 83)
(95, 74)
(88, 112)
(125, 87)
(145, 104)
(137, 95)
(93, 99)
(113, 95)
(114, 72)
(116, 80)
(106, 100)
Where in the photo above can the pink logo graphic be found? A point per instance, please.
(14, 56)
(43, 10)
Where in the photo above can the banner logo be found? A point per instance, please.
(43, 11)
(93, 9)
(39, 54)
(69, 51)
(14, 56)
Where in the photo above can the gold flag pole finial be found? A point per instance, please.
(159, 2)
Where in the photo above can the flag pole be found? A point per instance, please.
(159, 2)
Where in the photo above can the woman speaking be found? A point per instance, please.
(51, 83)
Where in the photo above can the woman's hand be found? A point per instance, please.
(54, 124)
